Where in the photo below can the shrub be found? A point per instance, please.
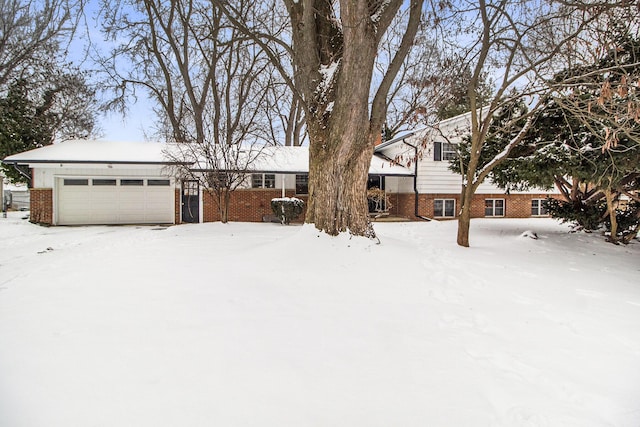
(586, 216)
(287, 208)
(378, 200)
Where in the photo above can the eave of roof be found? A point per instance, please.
(89, 162)
(271, 159)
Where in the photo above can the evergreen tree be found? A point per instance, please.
(35, 112)
(586, 142)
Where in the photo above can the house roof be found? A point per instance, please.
(83, 151)
(271, 159)
(296, 160)
(446, 126)
(399, 137)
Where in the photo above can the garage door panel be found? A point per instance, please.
(119, 204)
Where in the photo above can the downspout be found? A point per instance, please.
(415, 181)
(21, 172)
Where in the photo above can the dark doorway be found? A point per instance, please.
(190, 201)
(376, 204)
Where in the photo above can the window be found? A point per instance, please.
(219, 179)
(494, 207)
(444, 208)
(302, 184)
(158, 182)
(538, 207)
(444, 151)
(69, 181)
(103, 182)
(269, 180)
(131, 182)
(449, 151)
(266, 180)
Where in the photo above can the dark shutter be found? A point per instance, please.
(437, 151)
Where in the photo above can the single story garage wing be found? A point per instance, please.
(100, 182)
(95, 182)
(107, 199)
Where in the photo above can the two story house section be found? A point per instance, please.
(437, 189)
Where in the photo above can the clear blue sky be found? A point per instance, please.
(115, 127)
(132, 127)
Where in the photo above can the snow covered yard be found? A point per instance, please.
(265, 325)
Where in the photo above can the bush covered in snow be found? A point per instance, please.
(287, 208)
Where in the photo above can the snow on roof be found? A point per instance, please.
(403, 134)
(276, 159)
(83, 151)
(296, 159)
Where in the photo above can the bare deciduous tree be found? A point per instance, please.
(521, 44)
(423, 81)
(208, 79)
(333, 47)
(31, 33)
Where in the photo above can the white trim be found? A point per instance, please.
(493, 207)
(540, 207)
(444, 208)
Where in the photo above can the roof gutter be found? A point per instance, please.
(92, 162)
(20, 171)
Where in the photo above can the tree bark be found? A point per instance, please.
(223, 197)
(335, 49)
(464, 220)
(337, 190)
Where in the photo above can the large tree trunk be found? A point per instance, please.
(338, 188)
(341, 137)
(334, 51)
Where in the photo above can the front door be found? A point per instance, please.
(190, 201)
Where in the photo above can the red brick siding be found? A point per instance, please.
(41, 206)
(246, 205)
(516, 205)
(403, 205)
(252, 205)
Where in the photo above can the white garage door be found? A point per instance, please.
(115, 201)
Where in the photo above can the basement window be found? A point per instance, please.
(494, 207)
(538, 208)
(444, 208)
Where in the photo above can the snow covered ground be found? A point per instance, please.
(266, 325)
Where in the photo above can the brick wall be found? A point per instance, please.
(252, 205)
(516, 205)
(403, 205)
(246, 205)
(41, 206)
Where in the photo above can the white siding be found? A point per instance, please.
(44, 175)
(398, 184)
(434, 177)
